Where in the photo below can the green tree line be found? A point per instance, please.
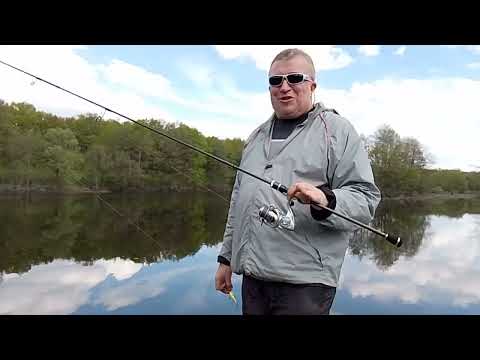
(400, 166)
(39, 150)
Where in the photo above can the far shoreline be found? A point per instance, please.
(11, 190)
(435, 196)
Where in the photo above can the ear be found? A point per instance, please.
(314, 86)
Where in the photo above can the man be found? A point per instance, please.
(320, 156)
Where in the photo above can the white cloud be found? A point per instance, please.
(472, 48)
(226, 106)
(441, 113)
(325, 57)
(139, 80)
(475, 65)
(124, 88)
(64, 66)
(47, 62)
(200, 75)
(369, 50)
(225, 126)
(400, 50)
(435, 270)
(220, 108)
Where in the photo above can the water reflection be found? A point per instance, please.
(71, 255)
(40, 230)
(59, 287)
(117, 287)
(412, 221)
(437, 272)
(165, 288)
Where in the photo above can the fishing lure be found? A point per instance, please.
(232, 296)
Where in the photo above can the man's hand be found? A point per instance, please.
(223, 278)
(307, 194)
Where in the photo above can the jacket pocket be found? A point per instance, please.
(318, 255)
(306, 225)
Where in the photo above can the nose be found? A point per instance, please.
(285, 86)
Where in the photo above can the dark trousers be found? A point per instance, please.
(274, 298)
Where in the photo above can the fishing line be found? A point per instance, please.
(190, 177)
(138, 123)
(393, 239)
(111, 207)
(199, 185)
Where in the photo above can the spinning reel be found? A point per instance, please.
(274, 217)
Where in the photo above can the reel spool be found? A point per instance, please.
(274, 217)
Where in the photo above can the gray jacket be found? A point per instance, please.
(318, 151)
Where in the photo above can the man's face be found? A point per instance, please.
(290, 101)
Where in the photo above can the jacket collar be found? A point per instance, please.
(267, 129)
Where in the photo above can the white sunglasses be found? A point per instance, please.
(292, 79)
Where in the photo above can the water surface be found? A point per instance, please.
(73, 255)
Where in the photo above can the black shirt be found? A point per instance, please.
(283, 128)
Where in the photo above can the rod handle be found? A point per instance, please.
(283, 189)
(394, 240)
(277, 186)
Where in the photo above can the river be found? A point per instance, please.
(74, 255)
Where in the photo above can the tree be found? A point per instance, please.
(98, 161)
(397, 162)
(413, 154)
(454, 181)
(36, 147)
(86, 129)
(385, 151)
(23, 152)
(473, 181)
(61, 155)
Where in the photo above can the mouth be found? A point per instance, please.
(284, 99)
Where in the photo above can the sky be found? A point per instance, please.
(427, 92)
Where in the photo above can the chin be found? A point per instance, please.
(287, 114)
(285, 111)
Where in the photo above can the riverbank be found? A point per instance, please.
(76, 190)
(435, 196)
(39, 189)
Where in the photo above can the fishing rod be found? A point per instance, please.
(270, 215)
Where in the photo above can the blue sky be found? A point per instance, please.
(428, 92)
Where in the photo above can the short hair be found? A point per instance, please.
(290, 53)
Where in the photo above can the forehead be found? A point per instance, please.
(295, 64)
